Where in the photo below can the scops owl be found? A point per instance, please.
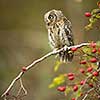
(59, 33)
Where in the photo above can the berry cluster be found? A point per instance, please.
(88, 70)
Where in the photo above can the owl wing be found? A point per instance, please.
(68, 31)
(67, 56)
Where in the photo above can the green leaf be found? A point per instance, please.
(93, 20)
(57, 81)
(98, 15)
(95, 11)
(56, 67)
(78, 93)
(88, 74)
(52, 85)
(94, 78)
(86, 50)
(89, 26)
(68, 89)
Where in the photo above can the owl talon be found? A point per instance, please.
(55, 50)
(65, 48)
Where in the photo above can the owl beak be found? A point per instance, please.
(48, 23)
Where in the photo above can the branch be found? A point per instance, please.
(91, 75)
(32, 65)
(84, 98)
(89, 89)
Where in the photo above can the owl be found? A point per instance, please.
(59, 33)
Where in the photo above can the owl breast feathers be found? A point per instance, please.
(59, 33)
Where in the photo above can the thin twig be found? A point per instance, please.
(84, 98)
(86, 80)
(22, 86)
(37, 61)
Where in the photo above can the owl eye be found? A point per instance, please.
(50, 17)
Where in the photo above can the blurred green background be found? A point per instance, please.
(23, 38)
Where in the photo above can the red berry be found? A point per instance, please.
(90, 84)
(93, 44)
(88, 14)
(83, 62)
(73, 99)
(73, 49)
(82, 70)
(70, 74)
(71, 77)
(95, 73)
(24, 69)
(94, 50)
(82, 82)
(75, 88)
(93, 60)
(61, 88)
(89, 69)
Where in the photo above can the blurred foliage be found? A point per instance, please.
(95, 17)
(57, 81)
(57, 65)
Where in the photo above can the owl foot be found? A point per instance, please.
(65, 48)
(55, 50)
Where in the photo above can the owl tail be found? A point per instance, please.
(66, 56)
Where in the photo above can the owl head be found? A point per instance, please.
(52, 17)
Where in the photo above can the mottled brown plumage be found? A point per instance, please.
(59, 33)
